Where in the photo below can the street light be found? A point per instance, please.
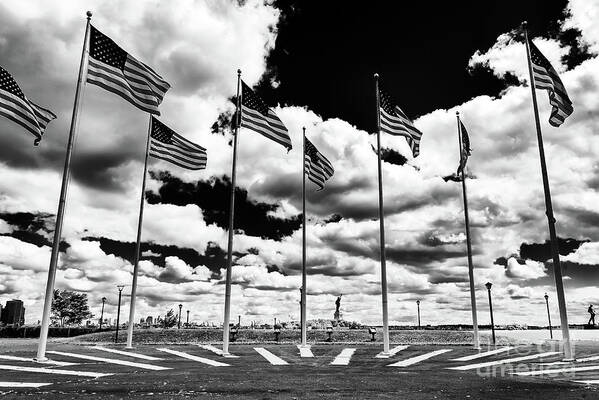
(102, 313)
(418, 304)
(488, 285)
(118, 313)
(179, 322)
(548, 316)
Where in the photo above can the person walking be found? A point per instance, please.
(592, 312)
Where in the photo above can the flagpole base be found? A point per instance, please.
(384, 354)
(41, 359)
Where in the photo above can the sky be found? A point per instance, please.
(314, 65)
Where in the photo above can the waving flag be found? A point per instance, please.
(113, 69)
(15, 106)
(318, 168)
(465, 151)
(167, 145)
(395, 122)
(256, 115)
(546, 77)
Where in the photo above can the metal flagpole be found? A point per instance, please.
(557, 270)
(231, 218)
(304, 294)
(476, 342)
(138, 244)
(382, 222)
(41, 350)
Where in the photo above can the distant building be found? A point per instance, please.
(13, 313)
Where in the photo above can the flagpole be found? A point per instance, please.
(476, 341)
(557, 269)
(41, 350)
(382, 223)
(304, 294)
(138, 244)
(231, 218)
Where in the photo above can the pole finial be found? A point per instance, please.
(457, 113)
(524, 24)
(376, 75)
(239, 72)
(89, 14)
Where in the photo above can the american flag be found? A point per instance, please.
(465, 151)
(318, 168)
(15, 106)
(113, 69)
(256, 115)
(395, 122)
(167, 145)
(546, 77)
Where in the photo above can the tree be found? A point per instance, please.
(70, 307)
(170, 319)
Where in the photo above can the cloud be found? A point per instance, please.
(524, 269)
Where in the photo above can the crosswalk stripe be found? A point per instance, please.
(194, 358)
(504, 361)
(586, 359)
(49, 362)
(271, 358)
(125, 353)
(343, 357)
(305, 351)
(557, 371)
(23, 384)
(417, 359)
(483, 354)
(53, 371)
(111, 361)
(215, 350)
(392, 352)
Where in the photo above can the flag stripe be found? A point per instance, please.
(395, 122)
(30, 116)
(167, 145)
(318, 168)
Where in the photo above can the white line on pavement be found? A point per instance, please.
(23, 384)
(483, 354)
(271, 358)
(392, 352)
(343, 357)
(53, 371)
(417, 359)
(557, 371)
(585, 359)
(194, 358)
(591, 382)
(125, 353)
(111, 361)
(215, 350)
(305, 351)
(504, 361)
(49, 362)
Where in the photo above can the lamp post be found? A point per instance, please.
(188, 318)
(548, 316)
(118, 313)
(488, 285)
(418, 305)
(179, 321)
(102, 313)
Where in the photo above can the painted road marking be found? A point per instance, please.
(194, 358)
(483, 354)
(343, 357)
(50, 362)
(557, 371)
(23, 384)
(504, 361)
(53, 371)
(112, 361)
(305, 351)
(392, 352)
(585, 359)
(216, 350)
(591, 382)
(271, 358)
(417, 359)
(126, 353)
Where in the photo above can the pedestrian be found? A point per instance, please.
(592, 312)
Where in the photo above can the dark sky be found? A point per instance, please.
(327, 51)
